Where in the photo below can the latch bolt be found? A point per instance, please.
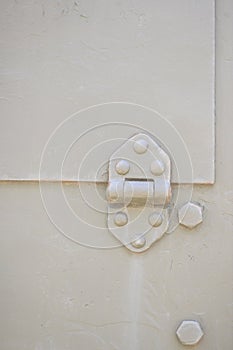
(139, 192)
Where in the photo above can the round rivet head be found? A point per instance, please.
(120, 219)
(139, 243)
(140, 146)
(157, 167)
(122, 167)
(189, 332)
(155, 219)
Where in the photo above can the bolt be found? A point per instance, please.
(157, 167)
(140, 146)
(122, 167)
(139, 243)
(190, 215)
(120, 219)
(189, 332)
(155, 219)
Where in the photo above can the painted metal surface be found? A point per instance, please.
(61, 57)
(77, 293)
(58, 294)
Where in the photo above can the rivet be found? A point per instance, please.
(120, 219)
(157, 167)
(122, 167)
(139, 243)
(155, 219)
(140, 146)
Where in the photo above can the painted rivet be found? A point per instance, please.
(122, 167)
(155, 219)
(189, 332)
(139, 243)
(120, 219)
(157, 167)
(140, 146)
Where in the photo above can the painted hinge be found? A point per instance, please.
(139, 192)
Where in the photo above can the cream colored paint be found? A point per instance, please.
(58, 57)
(59, 295)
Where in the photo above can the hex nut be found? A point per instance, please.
(190, 215)
(189, 332)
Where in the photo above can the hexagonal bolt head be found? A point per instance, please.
(189, 332)
(190, 215)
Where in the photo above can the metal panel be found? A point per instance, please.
(60, 57)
